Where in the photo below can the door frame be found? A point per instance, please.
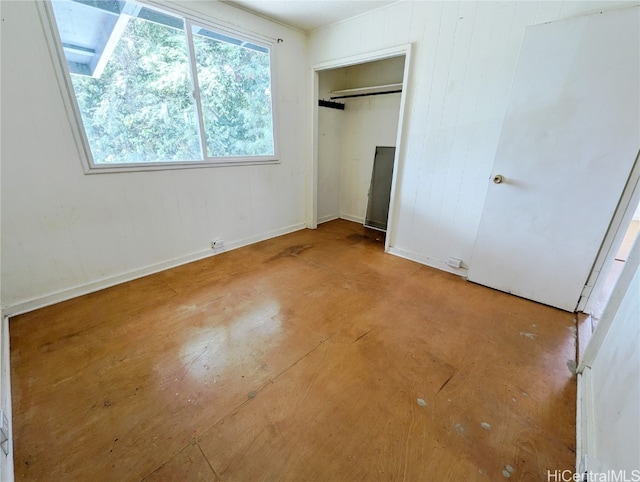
(312, 187)
(612, 239)
(585, 428)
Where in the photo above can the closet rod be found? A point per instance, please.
(365, 95)
(332, 105)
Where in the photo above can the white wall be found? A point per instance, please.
(463, 58)
(64, 232)
(347, 138)
(368, 122)
(347, 141)
(330, 128)
(368, 74)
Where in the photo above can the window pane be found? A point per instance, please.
(235, 93)
(132, 81)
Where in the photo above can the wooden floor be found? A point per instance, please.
(312, 356)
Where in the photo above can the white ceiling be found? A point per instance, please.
(308, 15)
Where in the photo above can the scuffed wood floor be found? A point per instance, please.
(312, 356)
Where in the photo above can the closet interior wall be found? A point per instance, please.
(347, 138)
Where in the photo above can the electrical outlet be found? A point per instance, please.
(454, 262)
(217, 244)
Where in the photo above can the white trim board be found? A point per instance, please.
(67, 294)
(327, 218)
(629, 202)
(6, 463)
(611, 310)
(363, 58)
(609, 341)
(427, 261)
(355, 219)
(585, 428)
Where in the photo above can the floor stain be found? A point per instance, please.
(354, 238)
(459, 427)
(421, 402)
(291, 251)
(531, 336)
(373, 237)
(485, 426)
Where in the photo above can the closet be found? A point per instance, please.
(359, 108)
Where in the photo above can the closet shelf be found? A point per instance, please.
(363, 91)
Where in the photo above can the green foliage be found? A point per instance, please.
(141, 109)
(235, 91)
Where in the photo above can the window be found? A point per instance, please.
(154, 88)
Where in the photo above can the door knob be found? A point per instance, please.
(498, 178)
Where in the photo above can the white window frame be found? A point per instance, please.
(190, 18)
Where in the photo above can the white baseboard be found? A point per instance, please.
(579, 419)
(349, 217)
(327, 218)
(585, 428)
(67, 294)
(426, 260)
(6, 461)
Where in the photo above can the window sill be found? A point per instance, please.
(170, 166)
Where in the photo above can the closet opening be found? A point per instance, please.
(357, 130)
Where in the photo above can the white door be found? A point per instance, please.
(570, 137)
